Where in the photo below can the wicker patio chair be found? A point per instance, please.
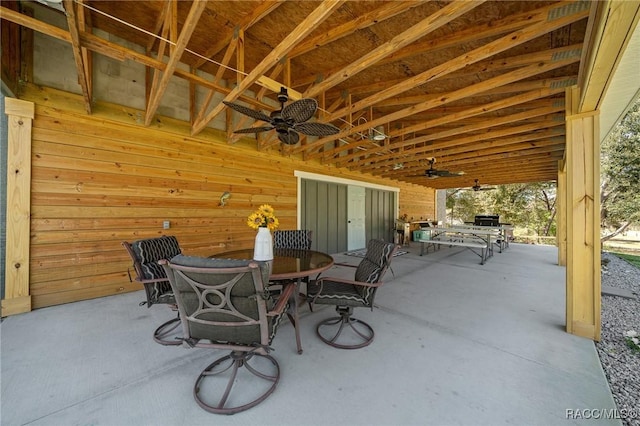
(145, 255)
(347, 294)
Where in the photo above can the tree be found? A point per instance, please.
(620, 175)
(530, 206)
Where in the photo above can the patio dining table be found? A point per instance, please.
(289, 264)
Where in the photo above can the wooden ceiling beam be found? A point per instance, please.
(121, 53)
(160, 22)
(485, 31)
(83, 78)
(157, 90)
(546, 174)
(496, 121)
(490, 49)
(507, 78)
(460, 37)
(84, 22)
(525, 163)
(476, 147)
(484, 162)
(360, 22)
(263, 9)
(167, 36)
(310, 23)
(431, 148)
(442, 17)
(474, 71)
(485, 51)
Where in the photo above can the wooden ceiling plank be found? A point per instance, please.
(447, 134)
(493, 29)
(187, 30)
(490, 49)
(507, 78)
(360, 22)
(512, 130)
(311, 22)
(533, 152)
(531, 158)
(83, 78)
(530, 137)
(497, 121)
(263, 9)
(480, 109)
(442, 17)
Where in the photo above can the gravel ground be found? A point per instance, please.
(620, 363)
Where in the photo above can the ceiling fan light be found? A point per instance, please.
(377, 133)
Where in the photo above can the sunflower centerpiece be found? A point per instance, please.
(264, 220)
(264, 217)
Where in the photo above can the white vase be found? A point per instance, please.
(263, 249)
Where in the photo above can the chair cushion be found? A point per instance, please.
(242, 297)
(337, 293)
(151, 250)
(292, 239)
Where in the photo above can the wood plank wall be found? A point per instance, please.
(103, 178)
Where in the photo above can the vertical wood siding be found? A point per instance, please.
(100, 179)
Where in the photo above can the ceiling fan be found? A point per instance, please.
(432, 173)
(289, 120)
(477, 187)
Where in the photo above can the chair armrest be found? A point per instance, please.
(346, 281)
(345, 264)
(281, 304)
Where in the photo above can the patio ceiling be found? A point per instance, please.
(477, 85)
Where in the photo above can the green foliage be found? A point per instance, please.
(530, 206)
(620, 173)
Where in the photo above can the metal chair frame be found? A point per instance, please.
(165, 333)
(332, 329)
(199, 322)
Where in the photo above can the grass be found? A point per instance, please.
(632, 259)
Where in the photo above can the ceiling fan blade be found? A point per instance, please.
(300, 110)
(254, 129)
(447, 173)
(316, 129)
(289, 138)
(257, 115)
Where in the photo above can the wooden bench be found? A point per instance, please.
(471, 244)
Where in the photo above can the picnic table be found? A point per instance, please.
(478, 239)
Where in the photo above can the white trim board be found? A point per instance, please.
(324, 178)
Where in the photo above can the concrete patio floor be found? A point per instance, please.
(457, 343)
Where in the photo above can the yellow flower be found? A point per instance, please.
(266, 210)
(263, 217)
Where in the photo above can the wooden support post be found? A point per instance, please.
(583, 220)
(16, 293)
(561, 213)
